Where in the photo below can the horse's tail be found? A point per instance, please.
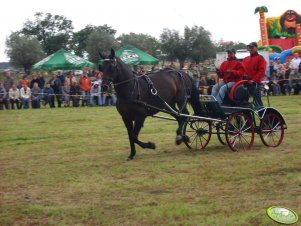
(194, 100)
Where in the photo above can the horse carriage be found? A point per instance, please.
(169, 90)
(235, 122)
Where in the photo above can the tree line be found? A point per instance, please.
(48, 33)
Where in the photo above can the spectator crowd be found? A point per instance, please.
(88, 89)
(63, 89)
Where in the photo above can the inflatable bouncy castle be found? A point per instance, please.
(280, 35)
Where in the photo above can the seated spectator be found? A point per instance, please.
(95, 94)
(48, 96)
(25, 95)
(273, 83)
(211, 81)
(3, 97)
(14, 97)
(109, 96)
(203, 88)
(35, 95)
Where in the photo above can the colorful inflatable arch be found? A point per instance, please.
(284, 54)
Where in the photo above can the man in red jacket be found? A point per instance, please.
(255, 66)
(230, 71)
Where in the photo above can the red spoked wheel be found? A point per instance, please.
(197, 133)
(239, 132)
(271, 130)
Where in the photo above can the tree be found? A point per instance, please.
(223, 46)
(144, 42)
(52, 31)
(199, 44)
(195, 45)
(174, 46)
(80, 38)
(23, 51)
(99, 42)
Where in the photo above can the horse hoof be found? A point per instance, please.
(130, 158)
(151, 145)
(185, 138)
(179, 139)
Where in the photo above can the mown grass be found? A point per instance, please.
(68, 167)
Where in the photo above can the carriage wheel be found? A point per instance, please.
(198, 134)
(220, 129)
(271, 130)
(239, 132)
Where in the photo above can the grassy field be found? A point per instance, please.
(68, 167)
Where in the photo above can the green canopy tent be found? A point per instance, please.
(64, 60)
(134, 56)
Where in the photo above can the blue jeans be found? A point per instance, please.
(219, 90)
(25, 103)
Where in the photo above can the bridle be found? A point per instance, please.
(116, 70)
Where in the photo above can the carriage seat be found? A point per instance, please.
(238, 95)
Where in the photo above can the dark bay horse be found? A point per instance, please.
(146, 95)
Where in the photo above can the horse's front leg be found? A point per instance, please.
(138, 124)
(129, 126)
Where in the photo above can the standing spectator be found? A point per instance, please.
(66, 94)
(14, 97)
(195, 75)
(25, 94)
(56, 85)
(99, 80)
(75, 94)
(35, 96)
(48, 96)
(24, 81)
(294, 73)
(33, 81)
(41, 79)
(230, 71)
(8, 81)
(3, 97)
(70, 78)
(61, 77)
(85, 86)
(255, 66)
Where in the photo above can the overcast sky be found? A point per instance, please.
(230, 20)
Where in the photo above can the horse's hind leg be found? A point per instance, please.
(181, 121)
(138, 124)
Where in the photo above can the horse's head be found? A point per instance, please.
(109, 67)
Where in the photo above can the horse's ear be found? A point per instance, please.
(101, 55)
(100, 67)
(112, 53)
